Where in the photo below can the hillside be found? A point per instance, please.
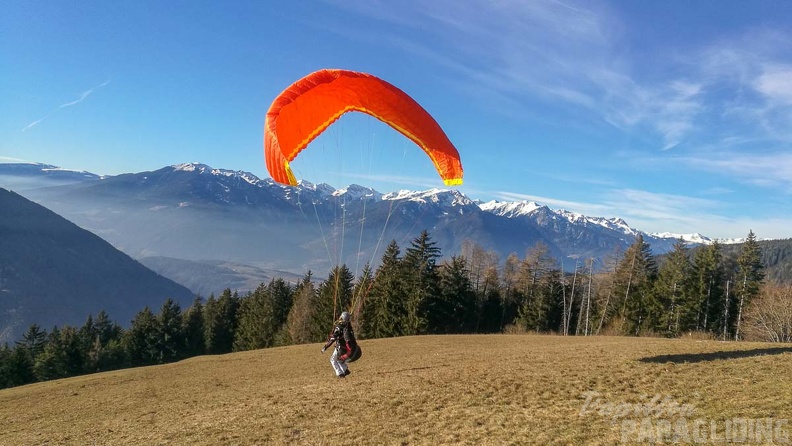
(54, 273)
(477, 389)
(776, 258)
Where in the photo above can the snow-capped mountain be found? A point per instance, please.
(195, 212)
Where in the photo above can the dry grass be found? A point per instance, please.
(494, 389)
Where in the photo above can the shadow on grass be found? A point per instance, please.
(410, 369)
(713, 356)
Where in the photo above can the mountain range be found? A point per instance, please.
(53, 273)
(213, 228)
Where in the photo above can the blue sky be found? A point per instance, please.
(674, 115)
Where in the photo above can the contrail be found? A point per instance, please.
(83, 96)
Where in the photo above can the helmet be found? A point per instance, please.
(345, 317)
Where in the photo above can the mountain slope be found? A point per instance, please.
(54, 273)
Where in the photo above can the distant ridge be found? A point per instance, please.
(198, 213)
(53, 273)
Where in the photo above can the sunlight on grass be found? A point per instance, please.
(476, 389)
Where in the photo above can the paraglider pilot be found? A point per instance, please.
(346, 349)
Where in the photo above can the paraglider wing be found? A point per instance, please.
(310, 105)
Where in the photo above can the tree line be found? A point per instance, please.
(414, 293)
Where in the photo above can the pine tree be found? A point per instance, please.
(635, 276)
(19, 368)
(52, 362)
(419, 271)
(87, 335)
(34, 340)
(333, 296)
(106, 329)
(141, 340)
(675, 307)
(257, 320)
(72, 345)
(170, 334)
(5, 362)
(282, 295)
(750, 275)
(102, 340)
(220, 322)
(359, 295)
(453, 309)
(384, 310)
(193, 329)
(708, 283)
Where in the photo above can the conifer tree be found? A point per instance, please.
(360, 293)
(102, 339)
(673, 308)
(453, 309)
(52, 362)
(34, 340)
(384, 310)
(257, 320)
(708, 283)
(141, 340)
(106, 329)
(750, 276)
(282, 295)
(193, 329)
(5, 362)
(170, 334)
(220, 322)
(635, 277)
(19, 368)
(419, 271)
(71, 342)
(334, 295)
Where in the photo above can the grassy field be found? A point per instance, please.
(477, 389)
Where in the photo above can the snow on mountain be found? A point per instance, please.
(689, 238)
(614, 224)
(323, 190)
(204, 169)
(510, 208)
(443, 197)
(357, 192)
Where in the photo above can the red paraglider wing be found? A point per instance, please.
(310, 105)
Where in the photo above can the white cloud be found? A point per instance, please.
(763, 169)
(775, 83)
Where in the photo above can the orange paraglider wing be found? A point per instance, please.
(310, 105)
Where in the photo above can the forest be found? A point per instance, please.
(709, 292)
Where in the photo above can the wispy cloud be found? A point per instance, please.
(82, 97)
(9, 159)
(762, 169)
(593, 209)
(579, 55)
